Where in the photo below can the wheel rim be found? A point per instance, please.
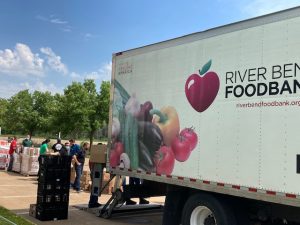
(202, 215)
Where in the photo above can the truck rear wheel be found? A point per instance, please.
(205, 209)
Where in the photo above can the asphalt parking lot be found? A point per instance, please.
(17, 192)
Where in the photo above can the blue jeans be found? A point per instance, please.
(11, 161)
(78, 171)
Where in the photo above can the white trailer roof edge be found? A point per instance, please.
(244, 24)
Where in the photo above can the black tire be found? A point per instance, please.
(241, 215)
(221, 212)
(175, 200)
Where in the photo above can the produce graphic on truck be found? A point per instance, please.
(202, 91)
(146, 138)
(223, 139)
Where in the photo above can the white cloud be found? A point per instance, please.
(63, 24)
(9, 89)
(52, 19)
(66, 29)
(21, 61)
(261, 7)
(76, 76)
(106, 70)
(93, 75)
(40, 86)
(88, 36)
(58, 21)
(54, 61)
(104, 73)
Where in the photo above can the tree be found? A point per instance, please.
(92, 109)
(3, 109)
(72, 114)
(43, 105)
(99, 106)
(83, 109)
(21, 116)
(104, 101)
(57, 120)
(28, 112)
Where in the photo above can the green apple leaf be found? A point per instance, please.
(205, 68)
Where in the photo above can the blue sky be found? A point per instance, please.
(45, 45)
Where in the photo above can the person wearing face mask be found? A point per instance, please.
(74, 148)
(79, 158)
(27, 142)
(60, 149)
(57, 146)
(67, 146)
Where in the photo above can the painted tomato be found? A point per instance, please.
(164, 160)
(191, 136)
(182, 148)
(114, 158)
(119, 148)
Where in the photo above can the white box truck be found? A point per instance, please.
(215, 115)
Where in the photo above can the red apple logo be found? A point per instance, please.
(201, 90)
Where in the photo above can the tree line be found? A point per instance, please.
(79, 112)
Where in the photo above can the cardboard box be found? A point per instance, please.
(4, 160)
(4, 150)
(85, 186)
(98, 154)
(72, 175)
(109, 188)
(30, 151)
(30, 165)
(32, 210)
(17, 163)
(85, 177)
(4, 143)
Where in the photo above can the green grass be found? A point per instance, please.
(13, 218)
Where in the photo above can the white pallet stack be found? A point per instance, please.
(4, 157)
(29, 165)
(17, 163)
(29, 161)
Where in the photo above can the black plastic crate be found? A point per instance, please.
(54, 161)
(54, 175)
(51, 213)
(45, 188)
(53, 188)
(49, 200)
(57, 207)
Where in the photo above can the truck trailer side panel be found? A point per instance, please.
(248, 134)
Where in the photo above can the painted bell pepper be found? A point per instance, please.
(168, 122)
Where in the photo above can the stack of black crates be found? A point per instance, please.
(53, 187)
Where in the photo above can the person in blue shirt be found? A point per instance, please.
(79, 158)
(74, 147)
